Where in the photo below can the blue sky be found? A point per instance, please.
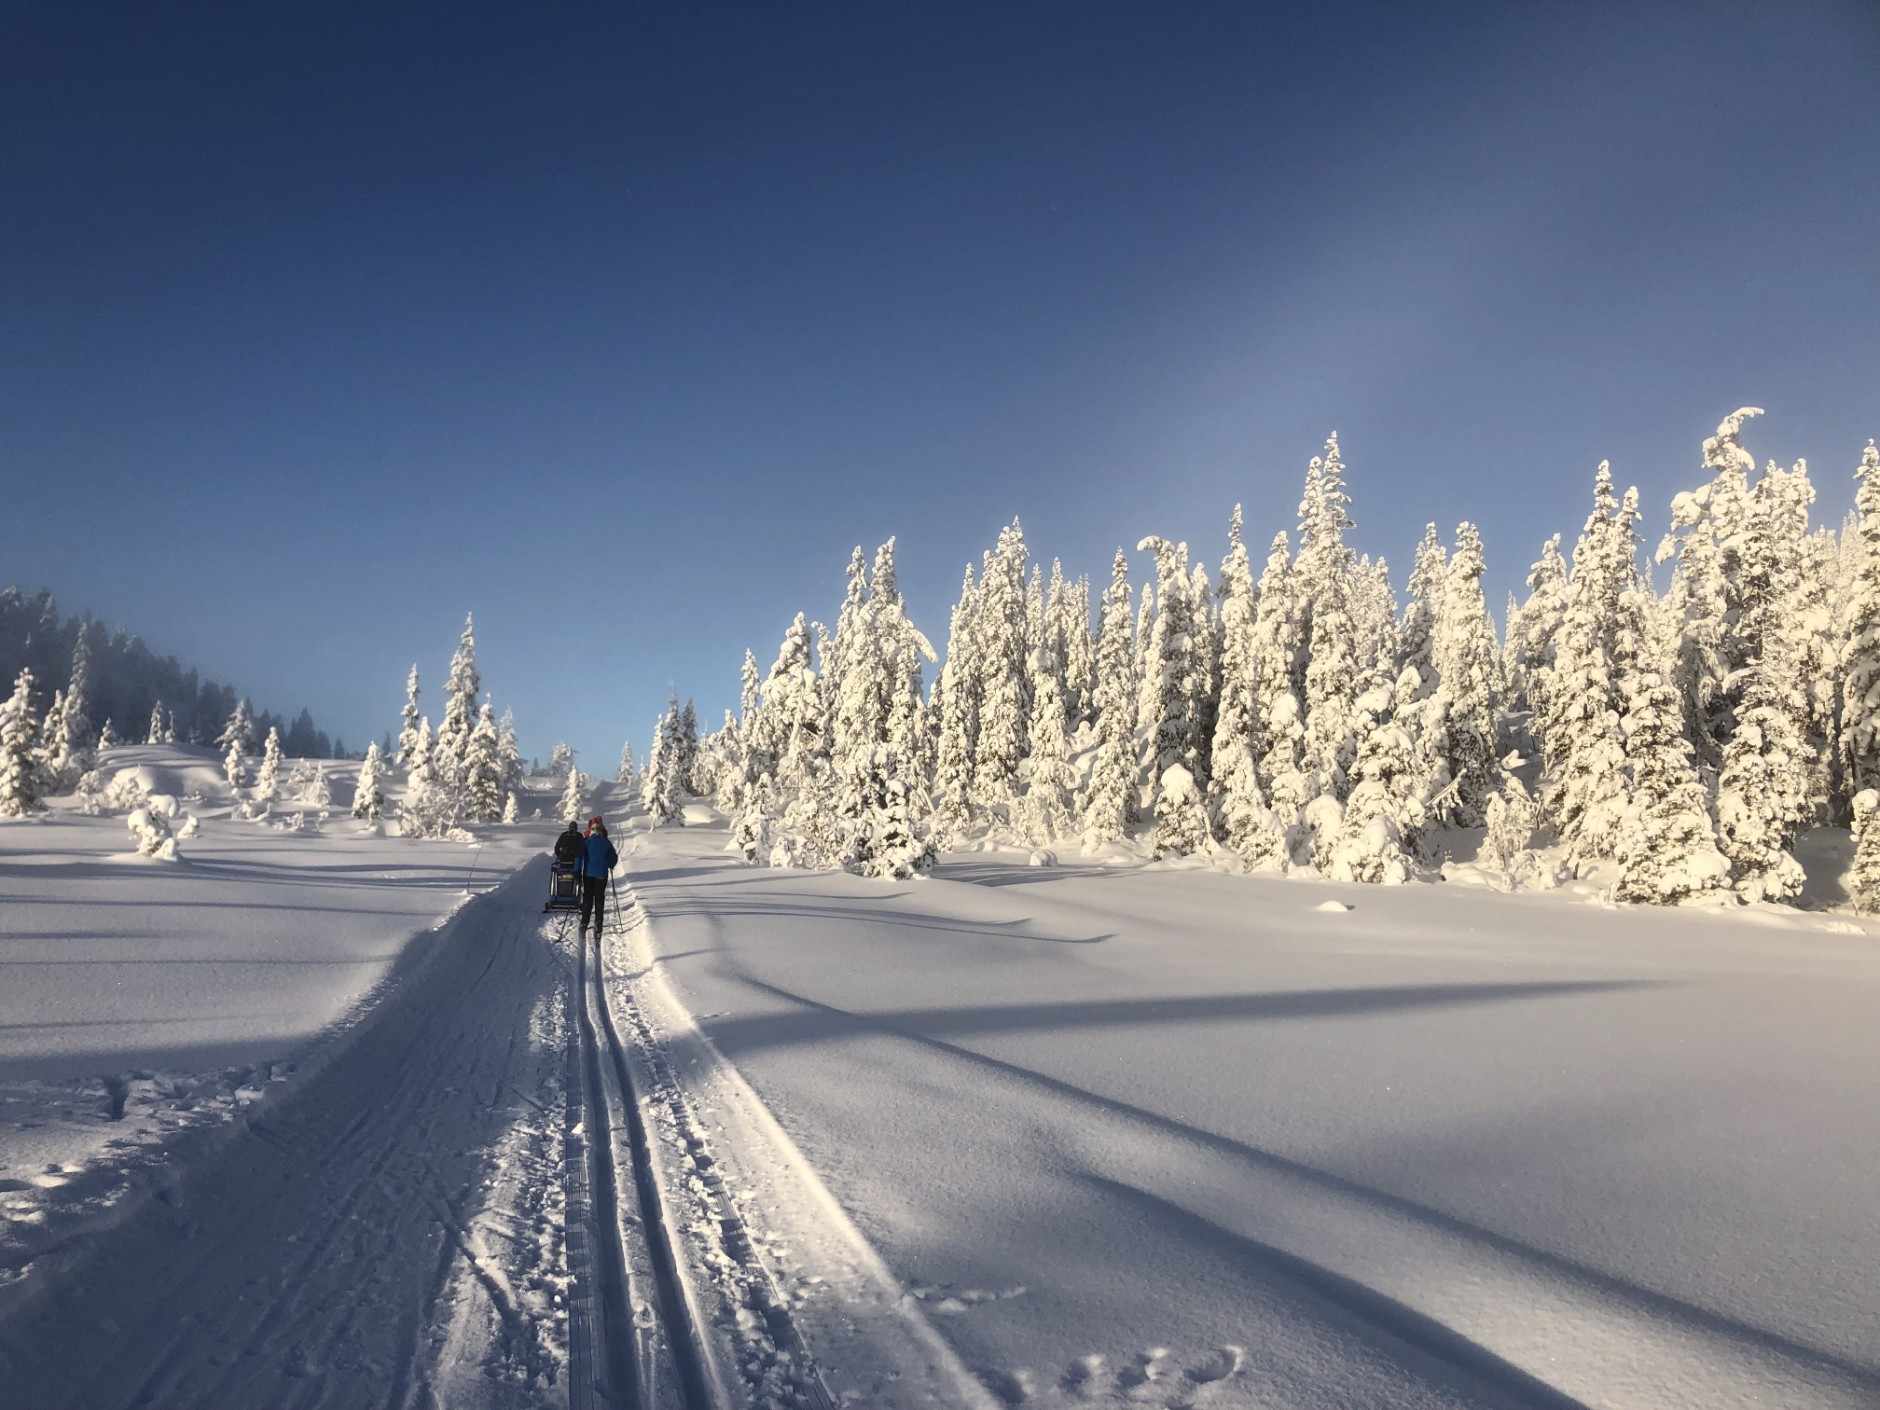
(621, 325)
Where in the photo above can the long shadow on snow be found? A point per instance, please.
(875, 917)
(1350, 1301)
(1661, 1304)
(782, 1030)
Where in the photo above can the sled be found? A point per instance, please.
(564, 887)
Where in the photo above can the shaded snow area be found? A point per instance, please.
(1158, 1136)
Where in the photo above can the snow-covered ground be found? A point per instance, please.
(144, 1002)
(1164, 1136)
(1096, 1133)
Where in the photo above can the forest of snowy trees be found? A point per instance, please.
(1295, 715)
(126, 684)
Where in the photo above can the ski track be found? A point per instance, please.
(337, 1251)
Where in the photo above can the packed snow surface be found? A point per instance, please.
(1167, 1136)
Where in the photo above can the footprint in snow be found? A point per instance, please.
(1148, 1378)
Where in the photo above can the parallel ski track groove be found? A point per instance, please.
(618, 1334)
(684, 1336)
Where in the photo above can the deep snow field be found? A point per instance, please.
(1147, 1135)
(1093, 1133)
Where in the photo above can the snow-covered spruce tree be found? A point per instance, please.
(560, 760)
(423, 813)
(107, 736)
(1235, 800)
(369, 795)
(1860, 729)
(1182, 825)
(1080, 655)
(1204, 684)
(786, 704)
(21, 761)
(1528, 655)
(450, 747)
(900, 842)
(483, 784)
(1863, 878)
(510, 811)
(1323, 572)
(956, 704)
(1279, 705)
(509, 751)
(685, 756)
(1374, 624)
(151, 834)
(1506, 844)
(1110, 808)
(1378, 833)
(408, 720)
(237, 742)
(1468, 672)
(624, 774)
(574, 796)
(1417, 633)
(169, 728)
(1585, 756)
(1148, 675)
(661, 793)
(154, 735)
(1044, 813)
(318, 791)
(1000, 621)
(1667, 849)
(1816, 618)
(1174, 658)
(268, 780)
(1706, 538)
(1763, 790)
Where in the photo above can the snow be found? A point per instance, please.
(147, 999)
(1162, 1129)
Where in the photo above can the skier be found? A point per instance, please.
(569, 845)
(598, 859)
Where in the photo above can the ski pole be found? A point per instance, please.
(614, 891)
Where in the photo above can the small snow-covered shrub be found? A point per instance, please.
(124, 792)
(1863, 878)
(1181, 816)
(150, 833)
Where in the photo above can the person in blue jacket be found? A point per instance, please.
(597, 860)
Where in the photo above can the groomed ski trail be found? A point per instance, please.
(392, 1222)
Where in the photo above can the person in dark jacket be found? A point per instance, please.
(598, 859)
(570, 845)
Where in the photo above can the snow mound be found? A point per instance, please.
(1338, 906)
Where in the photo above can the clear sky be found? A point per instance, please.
(321, 324)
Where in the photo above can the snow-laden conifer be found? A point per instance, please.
(408, 720)
(574, 796)
(510, 811)
(1763, 790)
(1001, 623)
(237, 742)
(1175, 657)
(625, 774)
(108, 736)
(956, 702)
(1507, 840)
(1468, 671)
(1417, 632)
(1706, 538)
(151, 833)
(423, 812)
(1044, 812)
(483, 783)
(1528, 654)
(1235, 744)
(1380, 828)
(461, 690)
(1110, 806)
(1666, 846)
(1863, 878)
(268, 778)
(1861, 653)
(369, 794)
(1585, 752)
(21, 760)
(1080, 655)
(1323, 574)
(1279, 705)
(1181, 814)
